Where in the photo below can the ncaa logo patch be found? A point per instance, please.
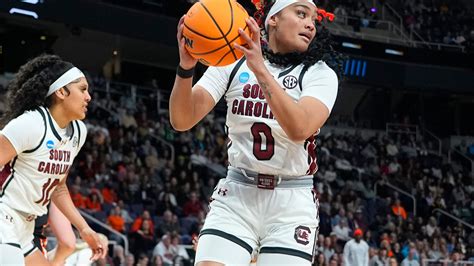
(75, 142)
(49, 144)
(244, 77)
(290, 82)
(302, 235)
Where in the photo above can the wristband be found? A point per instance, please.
(184, 73)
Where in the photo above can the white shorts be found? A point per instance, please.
(244, 219)
(16, 229)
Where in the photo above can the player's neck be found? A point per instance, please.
(58, 115)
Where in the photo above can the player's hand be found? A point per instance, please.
(253, 48)
(186, 61)
(98, 246)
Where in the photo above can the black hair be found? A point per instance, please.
(320, 48)
(29, 87)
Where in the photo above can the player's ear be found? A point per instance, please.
(273, 21)
(61, 93)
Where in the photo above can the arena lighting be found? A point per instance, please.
(355, 68)
(23, 12)
(373, 10)
(394, 52)
(33, 2)
(351, 45)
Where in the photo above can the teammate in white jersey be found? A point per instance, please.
(41, 138)
(276, 103)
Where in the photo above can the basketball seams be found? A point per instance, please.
(220, 47)
(200, 34)
(219, 28)
(222, 58)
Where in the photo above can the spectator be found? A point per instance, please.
(410, 259)
(164, 249)
(342, 231)
(320, 260)
(93, 202)
(137, 224)
(142, 260)
(398, 209)
(374, 258)
(169, 224)
(124, 213)
(328, 250)
(77, 197)
(193, 206)
(142, 239)
(108, 194)
(130, 260)
(179, 251)
(356, 251)
(115, 220)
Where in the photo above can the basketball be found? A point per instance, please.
(210, 29)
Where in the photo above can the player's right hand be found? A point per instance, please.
(97, 245)
(186, 61)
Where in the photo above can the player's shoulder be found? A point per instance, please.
(321, 67)
(228, 68)
(82, 126)
(34, 119)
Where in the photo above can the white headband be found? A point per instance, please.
(66, 78)
(279, 6)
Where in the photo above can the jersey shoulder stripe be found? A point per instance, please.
(53, 128)
(78, 135)
(234, 71)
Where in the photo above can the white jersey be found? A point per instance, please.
(45, 153)
(257, 141)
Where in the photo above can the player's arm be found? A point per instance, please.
(63, 201)
(299, 120)
(187, 105)
(63, 231)
(8, 152)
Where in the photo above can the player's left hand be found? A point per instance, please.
(253, 49)
(98, 246)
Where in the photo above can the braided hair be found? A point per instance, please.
(320, 48)
(28, 89)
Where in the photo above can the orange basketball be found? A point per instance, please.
(210, 29)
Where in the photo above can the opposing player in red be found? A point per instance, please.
(278, 97)
(42, 135)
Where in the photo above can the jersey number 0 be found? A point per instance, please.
(262, 151)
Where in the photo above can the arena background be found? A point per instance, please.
(401, 135)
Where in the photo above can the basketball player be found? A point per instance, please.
(277, 102)
(61, 227)
(41, 138)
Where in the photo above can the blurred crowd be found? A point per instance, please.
(439, 21)
(127, 177)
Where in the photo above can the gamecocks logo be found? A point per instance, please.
(302, 235)
(290, 82)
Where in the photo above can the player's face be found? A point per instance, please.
(76, 102)
(294, 28)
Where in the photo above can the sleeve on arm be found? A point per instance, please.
(321, 82)
(24, 132)
(215, 81)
